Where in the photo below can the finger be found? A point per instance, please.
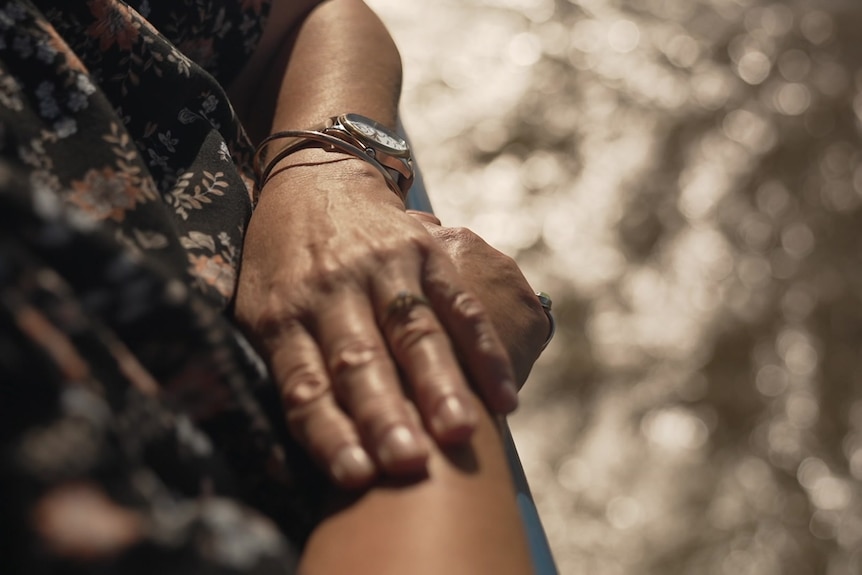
(367, 384)
(472, 331)
(424, 352)
(425, 217)
(313, 416)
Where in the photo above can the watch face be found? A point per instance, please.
(374, 131)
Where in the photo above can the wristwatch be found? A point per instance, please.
(379, 143)
(353, 134)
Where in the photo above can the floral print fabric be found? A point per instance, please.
(127, 397)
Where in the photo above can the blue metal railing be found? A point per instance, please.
(540, 550)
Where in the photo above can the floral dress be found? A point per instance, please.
(138, 432)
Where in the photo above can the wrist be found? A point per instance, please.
(320, 175)
(353, 134)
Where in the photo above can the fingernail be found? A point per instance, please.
(352, 465)
(452, 415)
(400, 444)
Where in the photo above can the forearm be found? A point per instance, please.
(461, 519)
(316, 61)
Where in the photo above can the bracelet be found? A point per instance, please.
(313, 139)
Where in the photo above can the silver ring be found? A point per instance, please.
(547, 303)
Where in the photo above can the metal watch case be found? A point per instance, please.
(380, 143)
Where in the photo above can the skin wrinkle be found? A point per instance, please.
(304, 385)
(410, 331)
(275, 325)
(472, 311)
(355, 355)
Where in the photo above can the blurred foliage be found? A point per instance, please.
(685, 177)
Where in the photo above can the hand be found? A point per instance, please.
(328, 249)
(495, 278)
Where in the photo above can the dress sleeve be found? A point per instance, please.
(218, 35)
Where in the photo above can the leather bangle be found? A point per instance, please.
(313, 139)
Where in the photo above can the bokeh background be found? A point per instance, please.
(684, 177)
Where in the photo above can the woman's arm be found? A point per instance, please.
(316, 59)
(328, 250)
(461, 520)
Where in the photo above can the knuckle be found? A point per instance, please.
(472, 312)
(489, 344)
(273, 323)
(412, 330)
(354, 355)
(303, 387)
(330, 272)
(461, 232)
(329, 275)
(469, 307)
(468, 238)
(455, 236)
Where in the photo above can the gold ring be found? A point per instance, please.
(402, 304)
